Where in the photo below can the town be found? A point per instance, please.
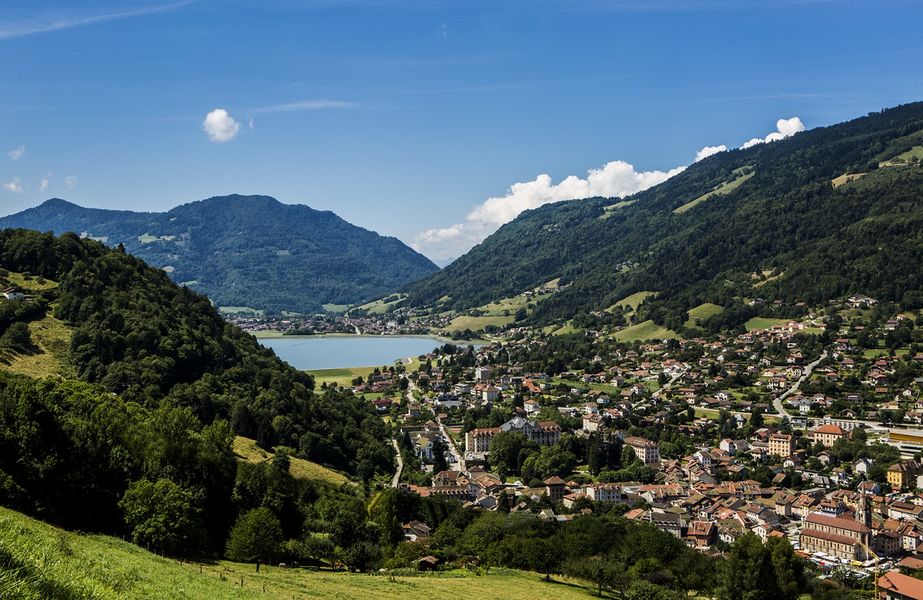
(800, 428)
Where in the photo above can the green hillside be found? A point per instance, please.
(38, 561)
(248, 251)
(698, 237)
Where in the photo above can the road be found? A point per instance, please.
(777, 403)
(456, 459)
(396, 480)
(453, 450)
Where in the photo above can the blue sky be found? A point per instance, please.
(406, 117)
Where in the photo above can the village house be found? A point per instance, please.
(827, 434)
(781, 444)
(647, 451)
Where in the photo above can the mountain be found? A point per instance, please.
(828, 212)
(247, 250)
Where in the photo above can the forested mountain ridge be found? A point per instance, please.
(166, 385)
(776, 220)
(247, 250)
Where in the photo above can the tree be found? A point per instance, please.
(604, 573)
(543, 556)
(789, 569)
(749, 572)
(439, 460)
(505, 451)
(255, 537)
(163, 516)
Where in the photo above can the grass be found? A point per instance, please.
(335, 308)
(53, 340)
(702, 312)
(633, 301)
(464, 322)
(30, 283)
(608, 211)
(567, 329)
(763, 323)
(647, 330)
(38, 561)
(723, 189)
(239, 310)
(380, 307)
(904, 157)
(846, 178)
(248, 451)
(342, 376)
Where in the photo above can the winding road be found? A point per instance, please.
(777, 403)
(396, 480)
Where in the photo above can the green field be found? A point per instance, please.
(757, 323)
(239, 310)
(38, 561)
(51, 336)
(477, 323)
(379, 307)
(343, 376)
(633, 301)
(246, 450)
(566, 329)
(723, 189)
(702, 312)
(648, 330)
(905, 157)
(608, 211)
(335, 308)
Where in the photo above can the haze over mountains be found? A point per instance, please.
(828, 212)
(249, 251)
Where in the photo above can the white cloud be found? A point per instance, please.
(302, 105)
(615, 179)
(16, 153)
(70, 181)
(14, 186)
(49, 23)
(46, 180)
(220, 126)
(709, 151)
(784, 128)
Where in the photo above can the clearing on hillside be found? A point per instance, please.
(633, 301)
(846, 178)
(702, 312)
(647, 330)
(757, 323)
(477, 323)
(380, 306)
(742, 175)
(248, 451)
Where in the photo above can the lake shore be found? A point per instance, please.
(276, 334)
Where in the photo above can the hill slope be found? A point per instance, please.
(768, 221)
(247, 250)
(165, 385)
(38, 561)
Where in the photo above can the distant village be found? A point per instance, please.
(797, 429)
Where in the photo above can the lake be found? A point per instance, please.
(323, 352)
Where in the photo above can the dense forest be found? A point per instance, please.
(142, 445)
(248, 251)
(763, 222)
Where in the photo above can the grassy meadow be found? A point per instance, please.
(38, 561)
(247, 450)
